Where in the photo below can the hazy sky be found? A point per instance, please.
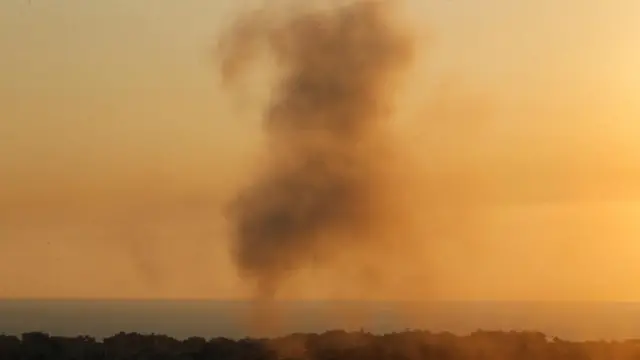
(117, 144)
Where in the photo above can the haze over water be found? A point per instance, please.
(183, 319)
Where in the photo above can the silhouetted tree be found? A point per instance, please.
(331, 345)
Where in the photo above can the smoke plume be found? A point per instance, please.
(322, 188)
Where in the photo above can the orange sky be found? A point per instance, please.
(118, 147)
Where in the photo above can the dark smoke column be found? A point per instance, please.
(320, 189)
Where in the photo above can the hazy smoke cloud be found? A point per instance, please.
(322, 184)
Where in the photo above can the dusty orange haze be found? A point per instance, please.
(118, 149)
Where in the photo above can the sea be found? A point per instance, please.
(233, 319)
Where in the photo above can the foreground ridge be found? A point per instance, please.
(330, 345)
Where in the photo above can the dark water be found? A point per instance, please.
(182, 319)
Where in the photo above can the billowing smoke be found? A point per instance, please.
(322, 187)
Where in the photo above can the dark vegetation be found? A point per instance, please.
(332, 345)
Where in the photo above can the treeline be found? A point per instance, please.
(332, 345)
